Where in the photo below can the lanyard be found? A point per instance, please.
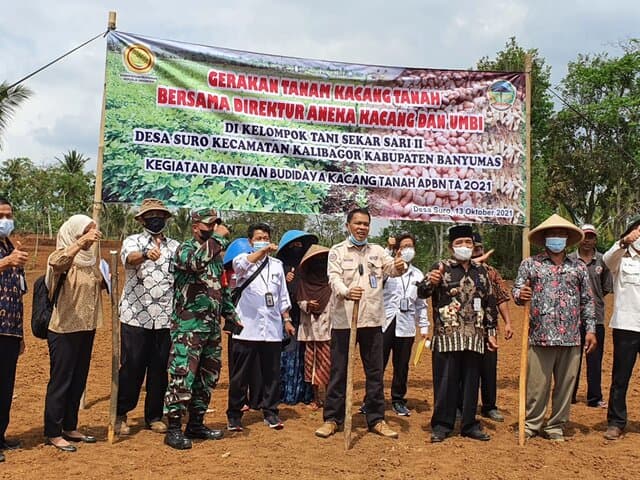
(266, 282)
(404, 287)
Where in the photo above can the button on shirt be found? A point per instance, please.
(148, 290)
(397, 288)
(261, 322)
(343, 272)
(624, 264)
(601, 281)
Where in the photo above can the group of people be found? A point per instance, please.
(287, 310)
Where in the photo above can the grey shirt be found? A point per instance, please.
(600, 279)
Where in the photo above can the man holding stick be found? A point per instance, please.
(561, 301)
(355, 270)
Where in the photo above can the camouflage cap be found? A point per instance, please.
(205, 215)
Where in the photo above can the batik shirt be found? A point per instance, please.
(562, 300)
(463, 303)
(12, 288)
(199, 298)
(147, 296)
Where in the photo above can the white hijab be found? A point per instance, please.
(72, 230)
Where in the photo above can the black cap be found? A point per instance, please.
(477, 238)
(460, 231)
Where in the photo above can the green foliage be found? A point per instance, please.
(10, 100)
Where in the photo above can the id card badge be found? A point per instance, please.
(477, 304)
(373, 281)
(268, 299)
(404, 304)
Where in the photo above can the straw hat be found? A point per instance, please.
(536, 236)
(149, 204)
(313, 251)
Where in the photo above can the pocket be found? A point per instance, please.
(375, 267)
(630, 272)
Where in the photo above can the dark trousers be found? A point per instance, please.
(626, 346)
(370, 341)
(450, 370)
(9, 351)
(401, 347)
(143, 352)
(594, 368)
(489, 380)
(69, 355)
(246, 355)
(253, 396)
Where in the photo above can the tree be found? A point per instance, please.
(10, 100)
(73, 162)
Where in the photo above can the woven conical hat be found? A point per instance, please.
(536, 236)
(313, 251)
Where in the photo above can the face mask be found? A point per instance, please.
(555, 244)
(205, 235)
(635, 244)
(6, 227)
(259, 245)
(407, 254)
(357, 243)
(154, 225)
(462, 253)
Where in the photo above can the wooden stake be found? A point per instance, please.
(115, 348)
(353, 333)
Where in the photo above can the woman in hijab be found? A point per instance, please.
(75, 317)
(313, 296)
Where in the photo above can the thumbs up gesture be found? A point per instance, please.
(290, 275)
(435, 276)
(526, 292)
(17, 258)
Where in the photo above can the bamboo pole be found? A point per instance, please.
(526, 250)
(115, 348)
(353, 333)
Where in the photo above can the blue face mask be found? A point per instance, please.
(6, 227)
(259, 245)
(555, 244)
(357, 243)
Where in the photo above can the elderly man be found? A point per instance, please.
(464, 325)
(199, 300)
(12, 288)
(145, 316)
(623, 259)
(601, 285)
(355, 269)
(561, 301)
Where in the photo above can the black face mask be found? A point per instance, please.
(155, 225)
(205, 234)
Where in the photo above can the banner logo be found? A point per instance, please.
(138, 58)
(502, 95)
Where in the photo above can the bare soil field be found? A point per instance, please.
(294, 452)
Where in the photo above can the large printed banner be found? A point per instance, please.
(203, 126)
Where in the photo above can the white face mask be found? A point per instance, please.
(462, 254)
(636, 245)
(407, 254)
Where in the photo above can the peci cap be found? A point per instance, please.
(460, 231)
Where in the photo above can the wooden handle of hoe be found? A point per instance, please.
(522, 393)
(115, 349)
(353, 332)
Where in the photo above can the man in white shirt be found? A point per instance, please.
(623, 260)
(262, 308)
(403, 310)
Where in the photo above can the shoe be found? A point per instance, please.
(602, 404)
(121, 427)
(174, 436)
(196, 429)
(381, 428)
(1, 457)
(63, 448)
(438, 437)
(157, 426)
(10, 444)
(327, 429)
(83, 438)
(477, 434)
(274, 422)
(400, 409)
(234, 425)
(494, 415)
(245, 408)
(614, 433)
(555, 437)
(362, 410)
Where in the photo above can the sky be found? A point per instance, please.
(64, 111)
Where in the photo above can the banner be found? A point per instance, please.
(200, 126)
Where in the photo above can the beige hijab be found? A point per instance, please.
(72, 230)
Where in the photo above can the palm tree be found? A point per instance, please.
(10, 99)
(72, 162)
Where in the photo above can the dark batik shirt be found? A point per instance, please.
(12, 288)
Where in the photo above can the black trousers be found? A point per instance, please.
(626, 346)
(401, 347)
(594, 368)
(69, 355)
(246, 355)
(488, 380)
(143, 352)
(9, 351)
(370, 341)
(253, 396)
(450, 370)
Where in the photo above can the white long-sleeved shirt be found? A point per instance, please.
(397, 288)
(624, 264)
(261, 323)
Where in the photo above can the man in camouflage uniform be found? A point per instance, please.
(199, 301)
